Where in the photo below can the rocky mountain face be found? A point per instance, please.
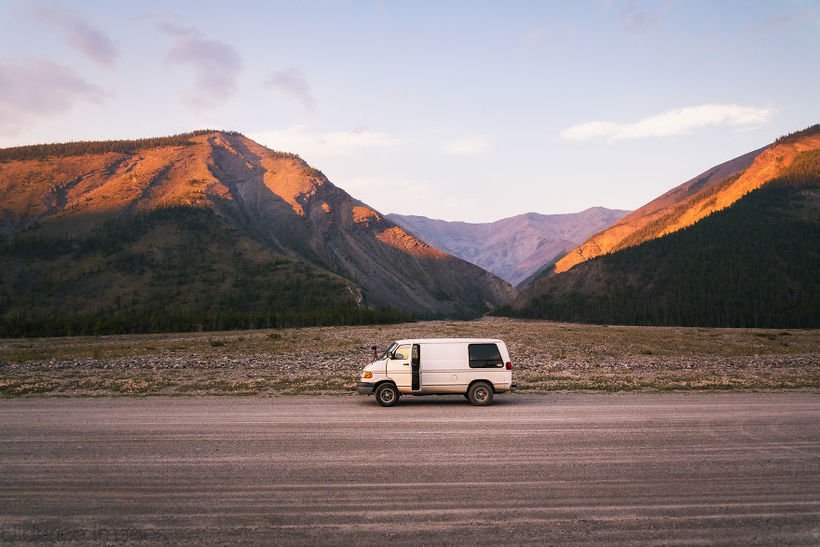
(272, 203)
(711, 191)
(752, 262)
(513, 248)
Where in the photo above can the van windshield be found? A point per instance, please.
(388, 352)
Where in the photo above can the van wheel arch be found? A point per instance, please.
(485, 381)
(382, 382)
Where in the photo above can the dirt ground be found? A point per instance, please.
(546, 356)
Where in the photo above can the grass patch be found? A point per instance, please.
(18, 388)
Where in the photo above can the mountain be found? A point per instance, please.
(693, 200)
(209, 226)
(513, 248)
(754, 263)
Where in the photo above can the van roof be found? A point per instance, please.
(450, 341)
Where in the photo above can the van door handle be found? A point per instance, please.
(406, 364)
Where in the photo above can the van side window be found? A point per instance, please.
(484, 355)
(402, 352)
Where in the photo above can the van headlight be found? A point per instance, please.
(367, 374)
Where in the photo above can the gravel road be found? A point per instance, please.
(738, 468)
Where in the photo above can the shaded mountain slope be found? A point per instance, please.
(168, 269)
(684, 205)
(270, 201)
(513, 248)
(753, 264)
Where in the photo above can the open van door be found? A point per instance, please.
(415, 365)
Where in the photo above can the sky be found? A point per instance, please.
(470, 111)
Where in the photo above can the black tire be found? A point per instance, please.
(387, 395)
(480, 394)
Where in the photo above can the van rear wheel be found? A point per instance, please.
(387, 394)
(480, 394)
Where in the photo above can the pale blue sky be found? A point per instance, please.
(458, 110)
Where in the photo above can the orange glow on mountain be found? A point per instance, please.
(364, 214)
(273, 201)
(398, 238)
(687, 204)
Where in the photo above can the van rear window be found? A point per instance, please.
(484, 355)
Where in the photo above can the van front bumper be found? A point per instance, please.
(365, 388)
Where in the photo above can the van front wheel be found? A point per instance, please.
(480, 394)
(387, 394)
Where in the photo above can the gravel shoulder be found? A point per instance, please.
(547, 357)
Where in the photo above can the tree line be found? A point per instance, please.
(796, 135)
(78, 148)
(171, 269)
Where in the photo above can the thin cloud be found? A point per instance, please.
(86, 39)
(292, 82)
(216, 64)
(785, 22)
(386, 194)
(466, 146)
(637, 21)
(38, 89)
(533, 38)
(638, 18)
(672, 122)
(312, 144)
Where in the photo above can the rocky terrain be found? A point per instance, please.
(546, 357)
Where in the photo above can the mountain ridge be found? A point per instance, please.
(683, 205)
(752, 263)
(275, 199)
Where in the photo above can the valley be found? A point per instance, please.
(257, 262)
(515, 248)
(211, 231)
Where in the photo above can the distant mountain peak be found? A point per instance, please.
(513, 248)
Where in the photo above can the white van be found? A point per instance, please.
(475, 367)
